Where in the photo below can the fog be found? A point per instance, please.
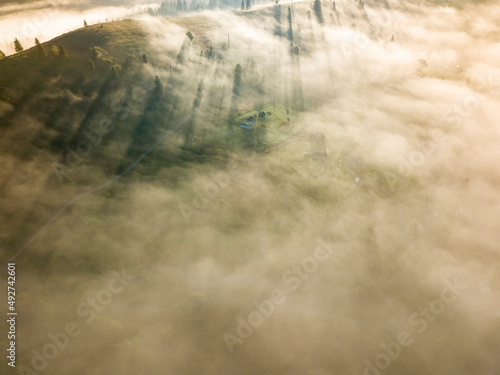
(196, 249)
(46, 19)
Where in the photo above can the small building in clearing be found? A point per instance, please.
(248, 123)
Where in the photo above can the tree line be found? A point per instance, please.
(58, 50)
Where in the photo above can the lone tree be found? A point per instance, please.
(61, 52)
(17, 46)
(189, 35)
(40, 51)
(85, 23)
(2, 55)
(144, 59)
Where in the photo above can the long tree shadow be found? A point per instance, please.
(36, 212)
(318, 11)
(277, 17)
(97, 105)
(233, 109)
(189, 128)
(147, 128)
(297, 92)
(161, 110)
(22, 103)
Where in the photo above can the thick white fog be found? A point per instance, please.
(46, 19)
(379, 258)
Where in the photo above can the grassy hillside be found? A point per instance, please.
(119, 39)
(348, 220)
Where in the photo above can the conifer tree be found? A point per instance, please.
(40, 51)
(85, 23)
(17, 45)
(2, 55)
(61, 52)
